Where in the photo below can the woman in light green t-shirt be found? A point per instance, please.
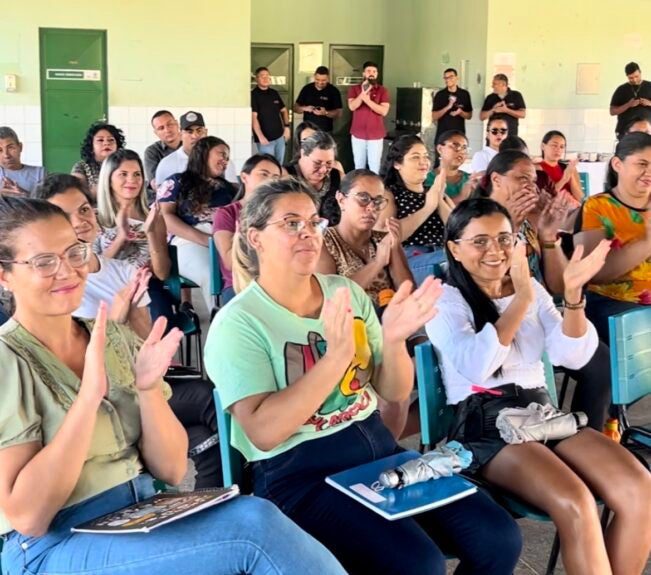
(299, 358)
(84, 421)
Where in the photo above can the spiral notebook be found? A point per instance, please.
(360, 483)
(161, 509)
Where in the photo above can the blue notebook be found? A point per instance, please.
(398, 503)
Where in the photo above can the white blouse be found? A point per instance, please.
(482, 158)
(470, 358)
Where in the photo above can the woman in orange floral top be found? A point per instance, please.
(623, 215)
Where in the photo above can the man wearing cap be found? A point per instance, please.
(167, 130)
(193, 128)
(270, 119)
(369, 104)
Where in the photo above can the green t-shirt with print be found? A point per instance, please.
(257, 346)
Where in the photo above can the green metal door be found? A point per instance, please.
(73, 91)
(345, 71)
(279, 59)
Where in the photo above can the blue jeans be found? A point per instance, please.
(244, 535)
(424, 261)
(275, 147)
(599, 308)
(484, 536)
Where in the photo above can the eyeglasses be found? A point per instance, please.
(496, 131)
(318, 165)
(458, 147)
(364, 199)
(47, 265)
(482, 242)
(449, 77)
(294, 226)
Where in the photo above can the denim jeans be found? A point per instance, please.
(244, 535)
(475, 529)
(424, 261)
(367, 151)
(275, 147)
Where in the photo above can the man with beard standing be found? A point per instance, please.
(369, 103)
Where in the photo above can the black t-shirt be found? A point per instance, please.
(448, 122)
(623, 94)
(513, 100)
(267, 104)
(328, 98)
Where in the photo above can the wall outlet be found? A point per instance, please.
(11, 82)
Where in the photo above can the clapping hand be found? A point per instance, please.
(94, 384)
(155, 355)
(337, 318)
(122, 224)
(552, 216)
(130, 295)
(10, 187)
(521, 204)
(155, 224)
(407, 312)
(520, 274)
(580, 270)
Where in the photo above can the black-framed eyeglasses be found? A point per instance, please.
(457, 147)
(294, 225)
(47, 265)
(496, 131)
(482, 242)
(364, 199)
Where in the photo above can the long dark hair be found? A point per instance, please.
(443, 139)
(548, 136)
(298, 132)
(500, 164)
(86, 149)
(396, 155)
(195, 183)
(250, 165)
(495, 118)
(483, 307)
(628, 145)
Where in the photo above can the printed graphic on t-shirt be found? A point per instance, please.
(351, 395)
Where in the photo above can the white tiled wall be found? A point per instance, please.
(589, 130)
(231, 124)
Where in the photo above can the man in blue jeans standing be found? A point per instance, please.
(270, 119)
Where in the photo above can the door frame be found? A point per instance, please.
(43, 73)
(333, 47)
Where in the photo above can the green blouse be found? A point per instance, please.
(37, 390)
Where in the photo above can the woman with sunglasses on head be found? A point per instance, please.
(255, 171)
(421, 209)
(86, 427)
(188, 202)
(299, 360)
(621, 215)
(493, 326)
(317, 167)
(556, 176)
(101, 141)
(497, 129)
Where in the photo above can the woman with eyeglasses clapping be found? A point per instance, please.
(373, 259)
(497, 130)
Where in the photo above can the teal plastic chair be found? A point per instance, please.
(232, 460)
(216, 283)
(585, 183)
(630, 361)
(436, 417)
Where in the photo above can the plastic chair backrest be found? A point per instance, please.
(215, 271)
(173, 280)
(435, 414)
(232, 460)
(550, 379)
(630, 355)
(584, 177)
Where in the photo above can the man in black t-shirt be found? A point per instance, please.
(452, 106)
(505, 101)
(631, 99)
(319, 101)
(270, 119)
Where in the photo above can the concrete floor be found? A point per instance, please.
(538, 536)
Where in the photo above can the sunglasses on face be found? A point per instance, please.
(496, 131)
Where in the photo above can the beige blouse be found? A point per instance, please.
(349, 262)
(37, 390)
